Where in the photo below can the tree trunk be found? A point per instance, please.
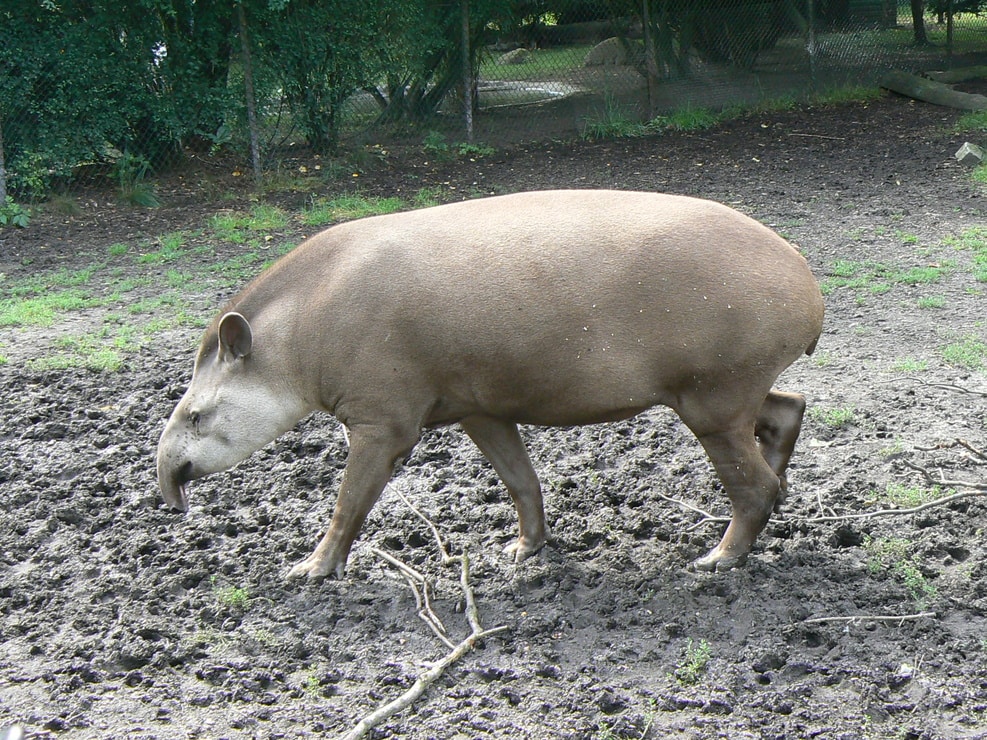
(918, 22)
(248, 84)
(3, 170)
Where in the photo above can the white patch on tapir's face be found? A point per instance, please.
(229, 411)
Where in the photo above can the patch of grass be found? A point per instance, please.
(972, 122)
(613, 122)
(932, 301)
(90, 351)
(835, 418)
(876, 277)
(693, 666)
(238, 227)
(970, 352)
(117, 250)
(42, 310)
(235, 597)
(427, 197)
(171, 248)
(910, 365)
(894, 555)
(973, 239)
(686, 119)
(348, 207)
(849, 94)
(908, 497)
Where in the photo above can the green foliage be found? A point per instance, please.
(613, 122)
(835, 418)
(693, 666)
(970, 352)
(12, 214)
(131, 171)
(895, 556)
(348, 207)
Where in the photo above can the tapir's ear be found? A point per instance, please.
(235, 337)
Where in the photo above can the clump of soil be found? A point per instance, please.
(123, 619)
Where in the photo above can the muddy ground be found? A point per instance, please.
(121, 618)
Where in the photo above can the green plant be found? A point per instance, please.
(934, 301)
(474, 151)
(836, 418)
(347, 207)
(686, 119)
(910, 365)
(131, 171)
(235, 597)
(970, 352)
(850, 94)
(697, 657)
(117, 250)
(909, 497)
(976, 121)
(172, 247)
(12, 214)
(613, 123)
(894, 555)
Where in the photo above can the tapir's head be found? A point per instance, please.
(236, 403)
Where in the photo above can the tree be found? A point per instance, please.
(918, 22)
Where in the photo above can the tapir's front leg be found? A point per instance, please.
(374, 451)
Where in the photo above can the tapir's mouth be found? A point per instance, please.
(174, 488)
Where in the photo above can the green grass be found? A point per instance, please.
(171, 248)
(834, 418)
(238, 227)
(876, 277)
(894, 555)
(932, 301)
(910, 365)
(973, 240)
(908, 497)
(556, 60)
(969, 352)
(972, 122)
(695, 662)
(348, 207)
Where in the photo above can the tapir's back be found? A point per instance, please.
(521, 300)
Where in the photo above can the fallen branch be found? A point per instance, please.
(869, 618)
(419, 586)
(944, 386)
(707, 518)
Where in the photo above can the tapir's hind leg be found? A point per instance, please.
(777, 429)
(749, 480)
(501, 444)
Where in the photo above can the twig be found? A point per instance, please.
(707, 518)
(477, 633)
(418, 688)
(819, 136)
(419, 587)
(944, 386)
(869, 618)
(898, 512)
(943, 481)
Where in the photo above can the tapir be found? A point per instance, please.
(549, 308)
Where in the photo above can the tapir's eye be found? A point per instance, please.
(194, 418)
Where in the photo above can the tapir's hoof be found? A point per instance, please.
(316, 568)
(717, 560)
(522, 549)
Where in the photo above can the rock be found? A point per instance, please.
(970, 154)
(518, 56)
(612, 52)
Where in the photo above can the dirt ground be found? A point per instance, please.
(121, 618)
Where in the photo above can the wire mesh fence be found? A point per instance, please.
(90, 95)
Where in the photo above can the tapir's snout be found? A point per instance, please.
(172, 480)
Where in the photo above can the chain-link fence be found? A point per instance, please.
(114, 95)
